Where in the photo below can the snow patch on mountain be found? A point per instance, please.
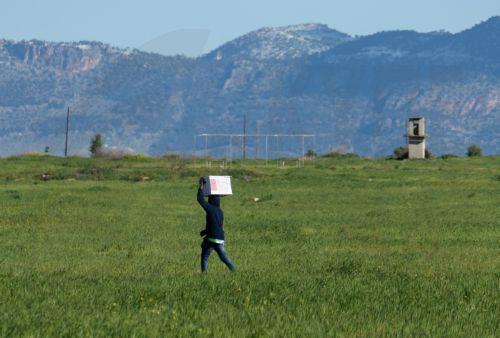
(281, 43)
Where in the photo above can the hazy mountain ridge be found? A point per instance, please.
(351, 92)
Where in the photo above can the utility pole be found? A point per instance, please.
(244, 137)
(67, 131)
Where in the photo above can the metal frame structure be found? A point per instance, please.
(257, 137)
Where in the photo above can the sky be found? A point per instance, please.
(127, 23)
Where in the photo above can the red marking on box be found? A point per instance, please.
(213, 184)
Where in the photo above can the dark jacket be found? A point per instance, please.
(215, 216)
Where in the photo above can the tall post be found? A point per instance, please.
(67, 132)
(206, 149)
(226, 156)
(303, 153)
(267, 149)
(244, 143)
(257, 143)
(231, 148)
(278, 145)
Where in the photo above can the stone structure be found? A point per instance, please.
(416, 137)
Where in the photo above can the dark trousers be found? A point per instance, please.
(206, 250)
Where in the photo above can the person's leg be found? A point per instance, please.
(206, 250)
(221, 251)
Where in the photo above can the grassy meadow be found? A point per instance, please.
(341, 247)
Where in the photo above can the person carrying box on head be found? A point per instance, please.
(213, 234)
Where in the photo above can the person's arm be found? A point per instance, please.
(201, 199)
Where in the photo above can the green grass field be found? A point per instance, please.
(342, 247)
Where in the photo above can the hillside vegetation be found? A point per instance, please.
(343, 246)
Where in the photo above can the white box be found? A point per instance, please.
(218, 185)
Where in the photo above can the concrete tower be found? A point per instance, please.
(416, 137)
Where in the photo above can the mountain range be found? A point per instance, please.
(352, 92)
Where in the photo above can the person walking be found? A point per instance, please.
(213, 234)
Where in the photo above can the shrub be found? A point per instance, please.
(402, 153)
(311, 153)
(447, 156)
(31, 154)
(340, 152)
(136, 157)
(96, 173)
(112, 153)
(96, 145)
(337, 155)
(474, 151)
(171, 157)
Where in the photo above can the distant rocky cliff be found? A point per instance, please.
(354, 93)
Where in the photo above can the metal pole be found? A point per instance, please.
(303, 153)
(67, 131)
(244, 136)
(278, 145)
(267, 149)
(194, 144)
(257, 143)
(314, 146)
(206, 149)
(231, 148)
(277, 149)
